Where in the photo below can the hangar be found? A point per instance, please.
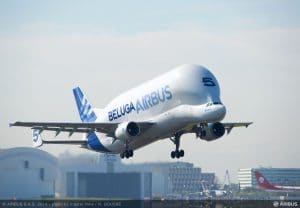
(27, 173)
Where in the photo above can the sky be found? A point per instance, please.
(106, 47)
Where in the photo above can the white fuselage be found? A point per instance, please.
(174, 100)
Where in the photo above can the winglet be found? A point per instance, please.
(247, 124)
(36, 138)
(229, 130)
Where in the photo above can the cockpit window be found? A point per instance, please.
(213, 103)
(217, 103)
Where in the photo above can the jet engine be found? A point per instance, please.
(126, 130)
(211, 132)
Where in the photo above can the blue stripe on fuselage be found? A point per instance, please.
(95, 144)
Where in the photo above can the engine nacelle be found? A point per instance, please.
(127, 130)
(212, 131)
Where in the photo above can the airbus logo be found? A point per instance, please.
(142, 104)
(285, 204)
(275, 203)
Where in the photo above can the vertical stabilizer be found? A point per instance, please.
(263, 182)
(85, 109)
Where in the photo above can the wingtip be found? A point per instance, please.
(11, 124)
(250, 123)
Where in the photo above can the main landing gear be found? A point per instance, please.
(127, 152)
(177, 153)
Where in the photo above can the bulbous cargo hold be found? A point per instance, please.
(184, 85)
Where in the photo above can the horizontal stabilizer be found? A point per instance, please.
(67, 141)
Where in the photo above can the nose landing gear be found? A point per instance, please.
(177, 154)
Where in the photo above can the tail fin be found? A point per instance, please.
(263, 182)
(85, 110)
(36, 138)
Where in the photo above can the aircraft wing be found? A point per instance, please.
(229, 126)
(58, 127)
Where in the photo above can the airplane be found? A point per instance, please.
(183, 100)
(263, 183)
(213, 193)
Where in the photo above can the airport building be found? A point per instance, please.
(131, 185)
(245, 179)
(27, 173)
(184, 178)
(174, 177)
(276, 176)
(30, 173)
(151, 179)
(209, 178)
(102, 176)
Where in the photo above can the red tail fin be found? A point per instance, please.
(263, 182)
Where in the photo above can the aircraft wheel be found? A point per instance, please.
(130, 153)
(177, 154)
(122, 155)
(181, 153)
(127, 154)
(173, 154)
